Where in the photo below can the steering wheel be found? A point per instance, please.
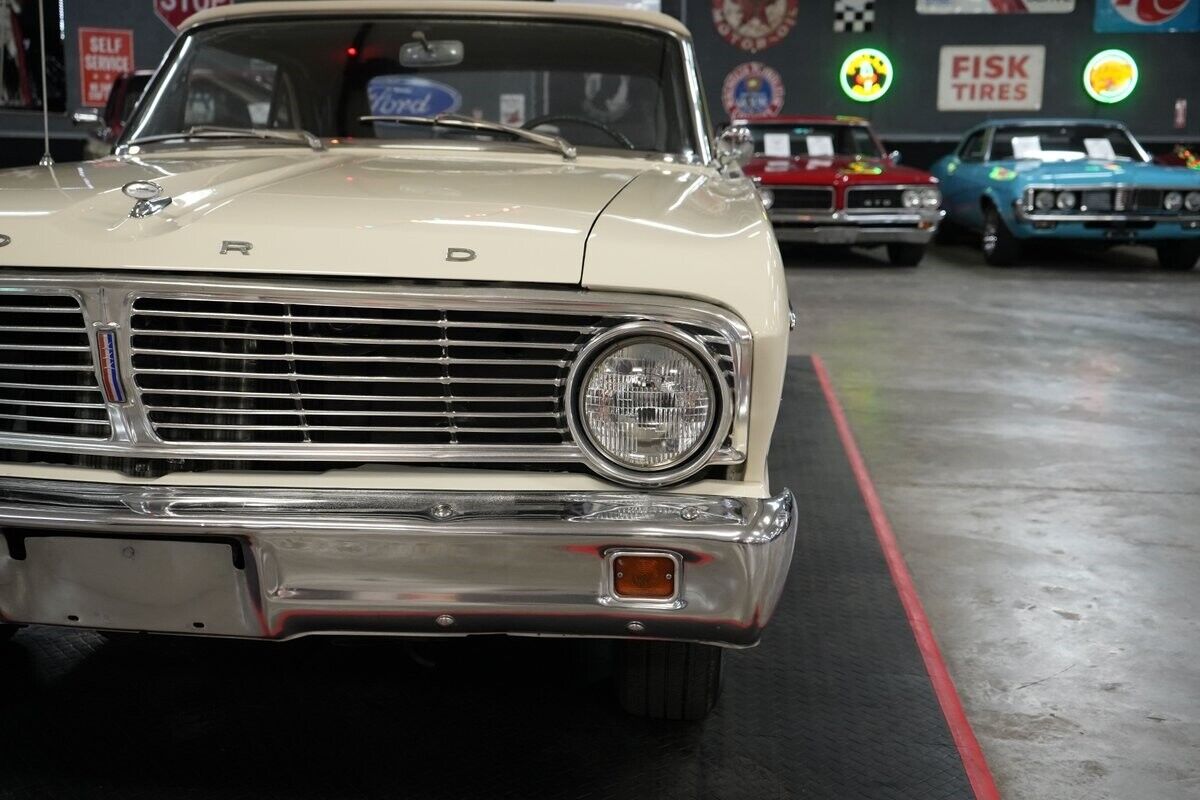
(615, 135)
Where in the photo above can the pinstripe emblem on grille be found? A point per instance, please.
(110, 370)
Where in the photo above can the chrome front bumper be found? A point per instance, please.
(276, 563)
(848, 228)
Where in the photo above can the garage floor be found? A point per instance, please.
(1034, 434)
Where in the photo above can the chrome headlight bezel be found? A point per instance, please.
(593, 353)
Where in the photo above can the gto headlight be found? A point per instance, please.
(1043, 201)
(648, 402)
(910, 198)
(1173, 201)
(930, 198)
(768, 197)
(1066, 201)
(1192, 201)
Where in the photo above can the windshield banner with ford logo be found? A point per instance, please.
(406, 96)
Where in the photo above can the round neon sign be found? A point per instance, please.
(866, 75)
(1110, 76)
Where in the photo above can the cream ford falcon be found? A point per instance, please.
(418, 319)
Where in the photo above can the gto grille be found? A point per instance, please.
(874, 199)
(789, 199)
(243, 371)
(47, 376)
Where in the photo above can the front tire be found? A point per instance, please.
(905, 255)
(1000, 247)
(1178, 256)
(668, 680)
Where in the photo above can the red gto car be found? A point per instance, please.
(827, 180)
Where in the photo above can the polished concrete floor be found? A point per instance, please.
(1035, 436)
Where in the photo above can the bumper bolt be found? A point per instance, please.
(635, 626)
(442, 511)
(445, 620)
(691, 513)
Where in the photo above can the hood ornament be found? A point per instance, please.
(148, 196)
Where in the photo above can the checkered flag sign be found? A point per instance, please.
(856, 16)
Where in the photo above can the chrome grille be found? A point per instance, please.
(47, 374)
(246, 371)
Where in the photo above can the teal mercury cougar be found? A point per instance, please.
(1018, 180)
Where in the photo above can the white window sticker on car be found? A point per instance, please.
(777, 144)
(1100, 147)
(1026, 147)
(819, 145)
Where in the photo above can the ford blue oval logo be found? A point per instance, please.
(405, 96)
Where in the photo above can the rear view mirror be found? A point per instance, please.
(424, 53)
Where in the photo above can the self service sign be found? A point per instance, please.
(1000, 78)
(104, 53)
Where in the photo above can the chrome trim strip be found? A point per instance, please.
(856, 218)
(107, 299)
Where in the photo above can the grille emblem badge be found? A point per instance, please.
(110, 366)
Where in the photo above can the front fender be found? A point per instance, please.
(694, 232)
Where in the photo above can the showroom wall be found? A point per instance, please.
(806, 60)
(809, 57)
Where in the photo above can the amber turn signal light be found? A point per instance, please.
(649, 577)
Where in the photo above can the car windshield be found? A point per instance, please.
(596, 85)
(1064, 143)
(781, 141)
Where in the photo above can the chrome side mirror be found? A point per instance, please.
(894, 156)
(735, 147)
(86, 116)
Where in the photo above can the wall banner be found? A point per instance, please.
(104, 53)
(752, 90)
(754, 25)
(991, 78)
(995, 6)
(1147, 16)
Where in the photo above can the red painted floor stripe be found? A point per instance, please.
(982, 782)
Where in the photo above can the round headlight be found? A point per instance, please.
(1043, 201)
(1192, 201)
(1066, 201)
(931, 198)
(1173, 201)
(768, 197)
(646, 403)
(910, 198)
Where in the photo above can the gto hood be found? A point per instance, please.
(1096, 171)
(385, 213)
(822, 171)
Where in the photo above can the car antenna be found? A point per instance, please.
(47, 160)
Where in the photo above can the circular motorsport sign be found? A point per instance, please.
(752, 90)
(1149, 12)
(866, 75)
(754, 25)
(1110, 76)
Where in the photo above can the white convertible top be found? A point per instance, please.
(543, 10)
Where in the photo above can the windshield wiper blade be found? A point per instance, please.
(291, 136)
(556, 143)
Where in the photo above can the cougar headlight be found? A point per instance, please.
(1043, 201)
(1173, 201)
(1192, 201)
(646, 403)
(1066, 201)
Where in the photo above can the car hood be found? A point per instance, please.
(430, 213)
(835, 170)
(1100, 172)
